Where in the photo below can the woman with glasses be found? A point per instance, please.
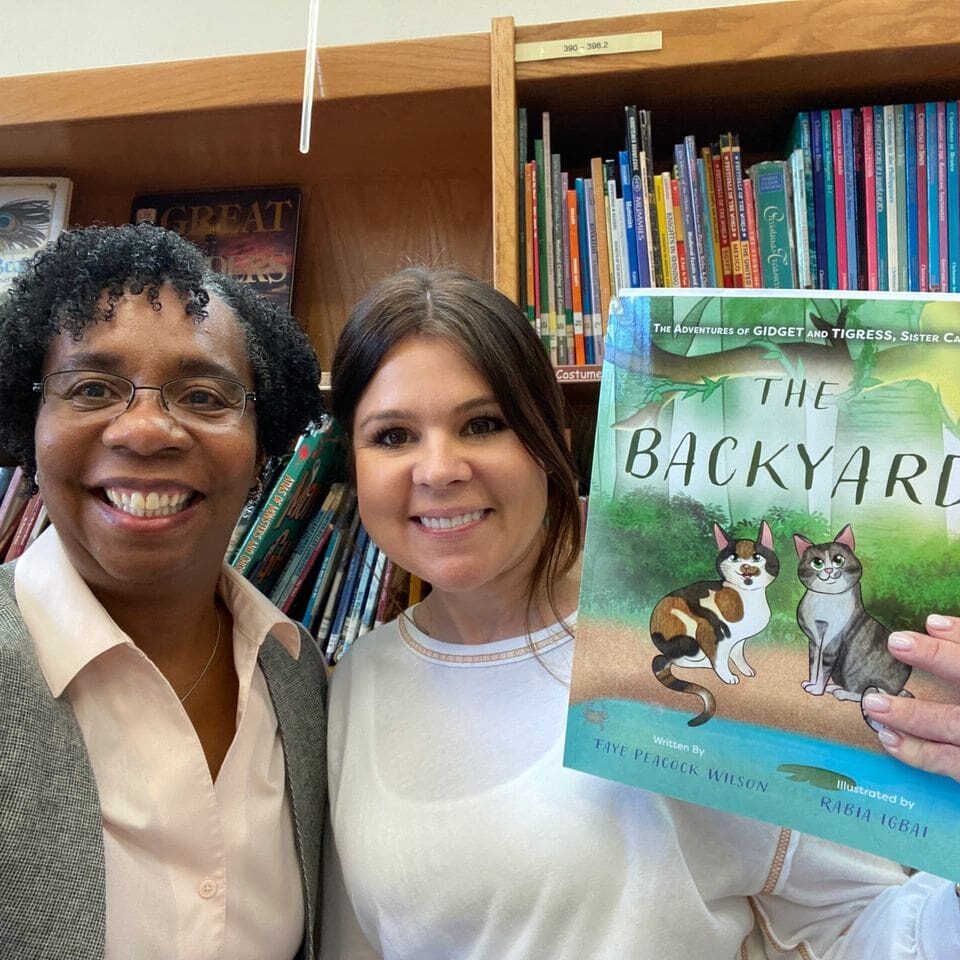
(161, 724)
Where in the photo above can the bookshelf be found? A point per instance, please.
(414, 142)
(747, 68)
(399, 168)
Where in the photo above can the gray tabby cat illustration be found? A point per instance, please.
(848, 647)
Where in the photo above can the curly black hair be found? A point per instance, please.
(78, 280)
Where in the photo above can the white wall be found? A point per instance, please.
(39, 36)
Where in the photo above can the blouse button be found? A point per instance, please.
(207, 888)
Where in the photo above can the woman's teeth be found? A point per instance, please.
(448, 523)
(148, 505)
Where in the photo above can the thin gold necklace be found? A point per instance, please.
(213, 653)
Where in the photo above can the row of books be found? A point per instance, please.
(881, 192)
(867, 198)
(250, 234)
(304, 547)
(23, 516)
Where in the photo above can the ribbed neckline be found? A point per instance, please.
(511, 650)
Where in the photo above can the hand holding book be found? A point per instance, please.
(923, 733)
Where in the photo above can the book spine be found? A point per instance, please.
(933, 226)
(859, 179)
(347, 596)
(942, 195)
(723, 226)
(768, 183)
(386, 588)
(829, 205)
(681, 174)
(880, 173)
(953, 196)
(870, 198)
(679, 235)
(358, 603)
(749, 266)
(696, 204)
(604, 257)
(372, 605)
(598, 321)
(920, 188)
(840, 197)
(800, 233)
(819, 199)
(662, 246)
(851, 213)
(806, 145)
(533, 258)
(903, 250)
(564, 338)
(710, 243)
(616, 238)
(585, 283)
(666, 189)
(641, 225)
(24, 528)
(547, 333)
(892, 199)
(522, 148)
(646, 146)
(549, 265)
(575, 288)
(626, 191)
(750, 206)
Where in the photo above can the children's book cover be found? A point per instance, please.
(776, 487)
(250, 234)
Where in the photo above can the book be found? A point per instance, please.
(24, 529)
(249, 234)
(832, 450)
(774, 216)
(933, 228)
(330, 562)
(953, 196)
(801, 137)
(831, 225)
(33, 211)
(840, 196)
(345, 600)
(893, 198)
(347, 542)
(870, 199)
(879, 172)
(12, 506)
(822, 278)
(298, 488)
(308, 550)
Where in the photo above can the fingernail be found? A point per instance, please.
(878, 702)
(901, 641)
(889, 738)
(936, 622)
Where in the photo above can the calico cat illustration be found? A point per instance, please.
(848, 647)
(707, 623)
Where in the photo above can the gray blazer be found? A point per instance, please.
(52, 881)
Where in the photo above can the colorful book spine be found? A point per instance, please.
(336, 590)
(851, 215)
(585, 282)
(570, 330)
(549, 236)
(662, 246)
(604, 258)
(358, 603)
(679, 234)
(666, 198)
(720, 212)
(626, 192)
(376, 591)
(533, 261)
(830, 208)
(522, 231)
(713, 277)
(697, 206)
(859, 179)
(564, 337)
(681, 173)
(819, 199)
(870, 197)
(942, 195)
(893, 199)
(769, 185)
(903, 249)
(617, 245)
(933, 225)
(330, 563)
(386, 592)
(879, 172)
(598, 320)
(840, 197)
(920, 187)
(803, 137)
(750, 279)
(646, 146)
(801, 234)
(753, 238)
(576, 295)
(347, 596)
(953, 196)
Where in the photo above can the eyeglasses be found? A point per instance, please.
(93, 396)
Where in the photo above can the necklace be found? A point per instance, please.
(213, 653)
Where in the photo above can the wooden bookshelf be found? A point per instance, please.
(398, 172)
(414, 142)
(746, 68)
